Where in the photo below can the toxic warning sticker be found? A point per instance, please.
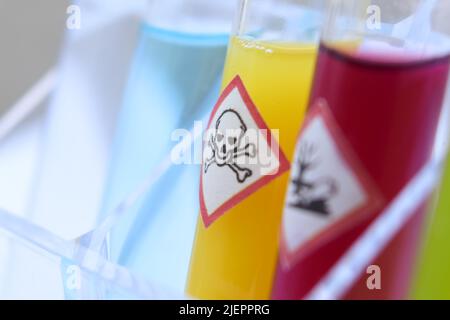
(329, 188)
(240, 153)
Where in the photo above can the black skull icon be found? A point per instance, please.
(225, 145)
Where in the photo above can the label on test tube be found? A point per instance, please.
(240, 155)
(329, 188)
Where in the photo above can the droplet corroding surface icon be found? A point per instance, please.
(329, 188)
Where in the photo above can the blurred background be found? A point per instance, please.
(31, 33)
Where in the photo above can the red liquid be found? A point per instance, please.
(389, 114)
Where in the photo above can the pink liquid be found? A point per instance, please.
(388, 112)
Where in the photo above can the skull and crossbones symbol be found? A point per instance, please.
(225, 145)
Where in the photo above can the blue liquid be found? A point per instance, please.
(174, 80)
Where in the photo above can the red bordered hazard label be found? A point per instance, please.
(240, 153)
(329, 188)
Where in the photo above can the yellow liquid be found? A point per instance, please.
(235, 257)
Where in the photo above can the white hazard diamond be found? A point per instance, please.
(328, 191)
(240, 154)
